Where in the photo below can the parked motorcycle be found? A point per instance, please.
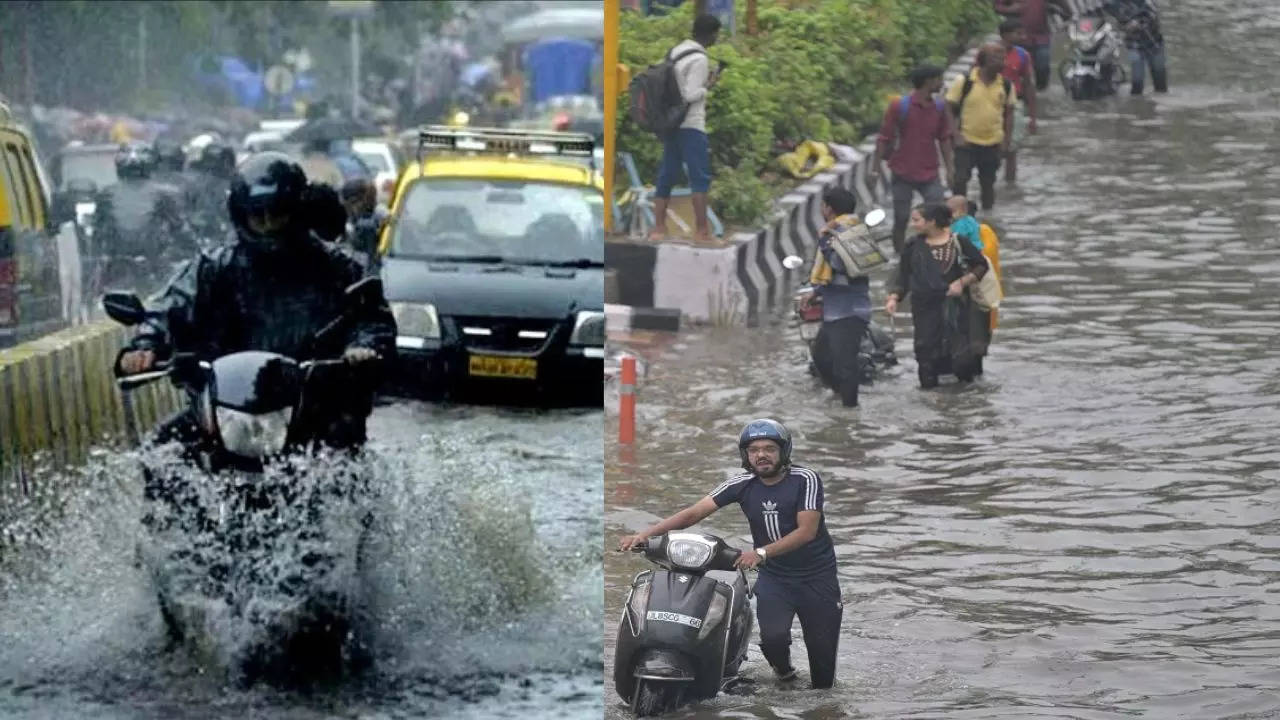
(685, 626)
(1095, 68)
(234, 545)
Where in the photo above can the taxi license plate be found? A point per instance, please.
(503, 367)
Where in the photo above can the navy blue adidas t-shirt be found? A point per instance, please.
(773, 510)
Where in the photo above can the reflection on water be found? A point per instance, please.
(1090, 531)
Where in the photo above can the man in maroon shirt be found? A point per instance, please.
(1034, 15)
(921, 128)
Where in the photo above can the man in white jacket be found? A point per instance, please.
(688, 146)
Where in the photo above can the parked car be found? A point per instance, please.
(494, 266)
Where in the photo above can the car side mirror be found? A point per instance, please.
(124, 307)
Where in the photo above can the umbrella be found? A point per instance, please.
(331, 129)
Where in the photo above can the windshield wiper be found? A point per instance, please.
(576, 263)
(453, 258)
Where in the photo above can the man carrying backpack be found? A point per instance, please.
(687, 144)
(1018, 70)
(845, 252)
(982, 105)
(921, 128)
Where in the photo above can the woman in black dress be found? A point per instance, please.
(936, 270)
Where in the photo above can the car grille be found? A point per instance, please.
(503, 334)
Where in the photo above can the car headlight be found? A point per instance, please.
(415, 323)
(254, 436)
(588, 328)
(690, 554)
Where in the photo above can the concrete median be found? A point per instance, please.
(58, 399)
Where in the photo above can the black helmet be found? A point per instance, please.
(765, 429)
(216, 158)
(169, 155)
(135, 160)
(270, 183)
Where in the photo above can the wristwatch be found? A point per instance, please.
(760, 551)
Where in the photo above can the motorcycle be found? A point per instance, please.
(243, 547)
(1095, 68)
(685, 626)
(877, 349)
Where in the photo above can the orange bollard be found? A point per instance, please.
(627, 401)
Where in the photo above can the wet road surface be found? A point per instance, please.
(1089, 531)
(470, 490)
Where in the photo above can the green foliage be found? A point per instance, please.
(822, 70)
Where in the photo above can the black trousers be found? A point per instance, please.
(835, 353)
(986, 159)
(816, 601)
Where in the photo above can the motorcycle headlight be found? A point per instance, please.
(639, 601)
(416, 323)
(588, 328)
(691, 554)
(254, 436)
(85, 209)
(715, 613)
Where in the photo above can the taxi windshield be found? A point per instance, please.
(513, 221)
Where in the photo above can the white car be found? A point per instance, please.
(384, 159)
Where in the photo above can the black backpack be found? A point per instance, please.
(656, 102)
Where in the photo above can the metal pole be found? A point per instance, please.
(611, 83)
(355, 67)
(142, 46)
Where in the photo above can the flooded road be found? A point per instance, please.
(1090, 531)
(488, 586)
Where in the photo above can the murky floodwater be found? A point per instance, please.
(487, 585)
(1090, 531)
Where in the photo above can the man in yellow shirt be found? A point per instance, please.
(982, 107)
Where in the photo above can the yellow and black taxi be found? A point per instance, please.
(493, 262)
(30, 283)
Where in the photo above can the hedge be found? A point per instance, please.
(817, 69)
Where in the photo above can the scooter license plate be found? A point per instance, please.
(809, 331)
(519, 368)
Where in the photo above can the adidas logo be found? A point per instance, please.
(769, 506)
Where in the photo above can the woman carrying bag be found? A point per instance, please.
(937, 272)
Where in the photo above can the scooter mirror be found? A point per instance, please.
(124, 307)
(874, 218)
(364, 291)
(791, 262)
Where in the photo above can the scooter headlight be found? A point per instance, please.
(688, 553)
(715, 613)
(254, 436)
(639, 601)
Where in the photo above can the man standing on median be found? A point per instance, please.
(688, 145)
(915, 131)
